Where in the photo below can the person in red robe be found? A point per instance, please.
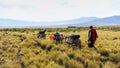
(92, 36)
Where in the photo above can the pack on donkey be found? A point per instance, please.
(73, 40)
(42, 34)
(58, 38)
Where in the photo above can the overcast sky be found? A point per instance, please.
(55, 10)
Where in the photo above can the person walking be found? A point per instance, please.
(92, 36)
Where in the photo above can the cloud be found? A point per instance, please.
(53, 10)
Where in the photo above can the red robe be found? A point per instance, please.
(92, 34)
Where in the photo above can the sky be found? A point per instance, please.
(57, 10)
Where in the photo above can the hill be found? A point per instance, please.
(80, 22)
(107, 21)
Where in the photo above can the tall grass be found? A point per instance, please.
(21, 48)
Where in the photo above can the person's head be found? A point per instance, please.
(91, 27)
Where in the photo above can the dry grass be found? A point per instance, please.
(19, 49)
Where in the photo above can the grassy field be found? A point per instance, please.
(20, 48)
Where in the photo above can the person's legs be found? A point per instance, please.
(91, 43)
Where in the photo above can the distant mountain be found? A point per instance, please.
(107, 21)
(80, 22)
(113, 20)
(14, 23)
(19, 23)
